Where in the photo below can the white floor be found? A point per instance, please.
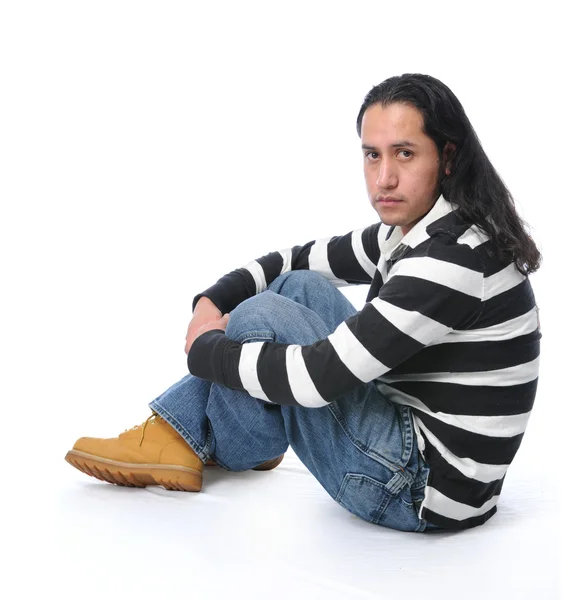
(272, 535)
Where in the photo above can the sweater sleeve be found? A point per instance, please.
(423, 299)
(344, 260)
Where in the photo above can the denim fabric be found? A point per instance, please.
(361, 448)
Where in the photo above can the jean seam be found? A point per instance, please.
(408, 434)
(255, 336)
(209, 438)
(421, 487)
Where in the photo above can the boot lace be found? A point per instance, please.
(150, 419)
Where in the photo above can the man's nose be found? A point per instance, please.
(387, 176)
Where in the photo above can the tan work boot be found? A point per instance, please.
(137, 458)
(151, 454)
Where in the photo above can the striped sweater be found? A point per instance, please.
(447, 329)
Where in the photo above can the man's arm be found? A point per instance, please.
(424, 298)
(204, 313)
(343, 260)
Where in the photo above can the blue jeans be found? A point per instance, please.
(361, 448)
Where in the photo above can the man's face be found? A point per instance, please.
(401, 164)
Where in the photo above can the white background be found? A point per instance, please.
(147, 148)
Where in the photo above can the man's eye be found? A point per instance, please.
(370, 154)
(406, 153)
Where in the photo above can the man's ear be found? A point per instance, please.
(448, 153)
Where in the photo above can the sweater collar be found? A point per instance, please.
(418, 232)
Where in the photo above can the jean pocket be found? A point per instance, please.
(363, 496)
(378, 427)
(371, 500)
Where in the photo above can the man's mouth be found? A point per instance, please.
(388, 200)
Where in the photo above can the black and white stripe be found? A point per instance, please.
(344, 260)
(447, 330)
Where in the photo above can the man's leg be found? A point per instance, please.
(361, 448)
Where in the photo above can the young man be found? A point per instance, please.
(409, 411)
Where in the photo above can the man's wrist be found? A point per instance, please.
(205, 302)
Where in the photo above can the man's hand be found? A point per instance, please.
(220, 324)
(206, 314)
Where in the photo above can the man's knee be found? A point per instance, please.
(260, 312)
(263, 302)
(304, 276)
(253, 315)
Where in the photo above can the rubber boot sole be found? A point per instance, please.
(266, 466)
(171, 477)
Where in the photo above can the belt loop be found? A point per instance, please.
(399, 480)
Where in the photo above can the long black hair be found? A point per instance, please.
(473, 184)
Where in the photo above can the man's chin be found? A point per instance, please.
(389, 216)
(390, 221)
